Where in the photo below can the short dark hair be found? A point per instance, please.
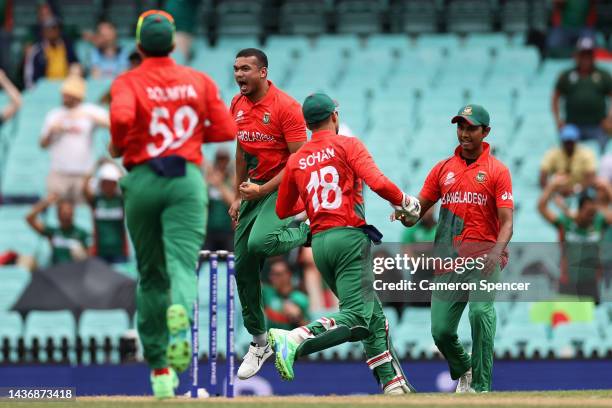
(262, 58)
(280, 260)
(158, 53)
(135, 57)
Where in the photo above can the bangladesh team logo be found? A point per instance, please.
(467, 111)
(481, 177)
(266, 118)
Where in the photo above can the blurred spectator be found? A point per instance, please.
(285, 306)
(581, 235)
(104, 197)
(186, 19)
(52, 57)
(68, 242)
(585, 90)
(108, 59)
(220, 179)
(605, 168)
(68, 133)
(134, 60)
(571, 19)
(15, 98)
(570, 158)
(45, 10)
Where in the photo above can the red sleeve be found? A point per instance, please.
(503, 190)
(431, 187)
(362, 163)
(219, 125)
(122, 111)
(288, 202)
(292, 123)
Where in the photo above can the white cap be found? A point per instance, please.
(110, 172)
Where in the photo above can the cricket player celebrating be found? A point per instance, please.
(161, 113)
(270, 128)
(476, 213)
(325, 175)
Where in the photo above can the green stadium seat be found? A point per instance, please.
(239, 17)
(515, 337)
(388, 42)
(514, 15)
(102, 324)
(11, 328)
(487, 40)
(14, 280)
(414, 16)
(56, 325)
(440, 41)
(303, 17)
(359, 16)
(466, 16)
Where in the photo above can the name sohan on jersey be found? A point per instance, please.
(317, 157)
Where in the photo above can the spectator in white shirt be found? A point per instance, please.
(68, 134)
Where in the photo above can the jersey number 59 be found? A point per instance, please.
(317, 179)
(172, 139)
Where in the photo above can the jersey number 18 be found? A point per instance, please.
(317, 179)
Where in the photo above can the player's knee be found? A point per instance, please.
(480, 312)
(357, 319)
(442, 333)
(258, 246)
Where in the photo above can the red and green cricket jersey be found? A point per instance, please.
(161, 109)
(325, 177)
(264, 128)
(470, 197)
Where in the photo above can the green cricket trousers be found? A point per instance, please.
(259, 235)
(343, 257)
(446, 311)
(166, 219)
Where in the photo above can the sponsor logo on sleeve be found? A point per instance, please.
(450, 178)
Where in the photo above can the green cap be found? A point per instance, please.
(317, 107)
(155, 31)
(473, 114)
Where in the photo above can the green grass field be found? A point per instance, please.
(582, 399)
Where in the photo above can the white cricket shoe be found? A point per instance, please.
(253, 360)
(465, 383)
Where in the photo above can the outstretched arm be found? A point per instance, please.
(32, 218)
(13, 94)
(366, 169)
(544, 199)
